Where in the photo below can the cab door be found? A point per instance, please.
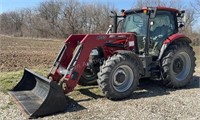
(162, 26)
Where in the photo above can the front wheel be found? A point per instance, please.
(118, 77)
(178, 63)
(88, 78)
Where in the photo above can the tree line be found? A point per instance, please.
(56, 19)
(60, 18)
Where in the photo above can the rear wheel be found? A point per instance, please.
(178, 65)
(118, 77)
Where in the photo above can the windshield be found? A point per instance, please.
(136, 22)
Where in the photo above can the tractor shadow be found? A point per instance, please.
(150, 88)
(146, 88)
(195, 83)
(91, 94)
(73, 105)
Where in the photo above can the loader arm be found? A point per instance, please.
(76, 54)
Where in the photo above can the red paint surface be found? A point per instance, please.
(89, 42)
(174, 37)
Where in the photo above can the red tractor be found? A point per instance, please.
(147, 46)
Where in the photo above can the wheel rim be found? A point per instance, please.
(122, 78)
(181, 66)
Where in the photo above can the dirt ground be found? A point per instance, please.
(150, 101)
(18, 53)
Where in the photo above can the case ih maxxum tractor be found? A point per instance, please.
(148, 46)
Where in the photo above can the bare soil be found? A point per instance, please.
(150, 101)
(18, 53)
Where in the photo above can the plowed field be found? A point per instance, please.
(18, 53)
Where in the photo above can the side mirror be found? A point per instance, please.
(181, 13)
(113, 12)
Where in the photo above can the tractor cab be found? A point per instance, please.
(151, 26)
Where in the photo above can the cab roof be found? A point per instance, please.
(158, 8)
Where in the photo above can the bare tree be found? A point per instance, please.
(96, 18)
(7, 25)
(48, 13)
(17, 18)
(28, 24)
(196, 6)
(11, 23)
(57, 18)
(189, 21)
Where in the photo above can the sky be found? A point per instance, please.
(12, 5)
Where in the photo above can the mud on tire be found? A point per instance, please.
(178, 63)
(118, 76)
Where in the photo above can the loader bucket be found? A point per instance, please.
(39, 96)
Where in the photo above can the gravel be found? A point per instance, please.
(9, 111)
(150, 101)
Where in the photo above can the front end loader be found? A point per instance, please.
(148, 46)
(40, 96)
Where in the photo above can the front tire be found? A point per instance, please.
(178, 63)
(118, 77)
(88, 78)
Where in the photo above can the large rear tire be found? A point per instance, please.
(118, 76)
(178, 63)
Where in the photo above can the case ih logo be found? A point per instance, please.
(101, 37)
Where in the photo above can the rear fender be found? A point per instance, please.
(175, 37)
(178, 37)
